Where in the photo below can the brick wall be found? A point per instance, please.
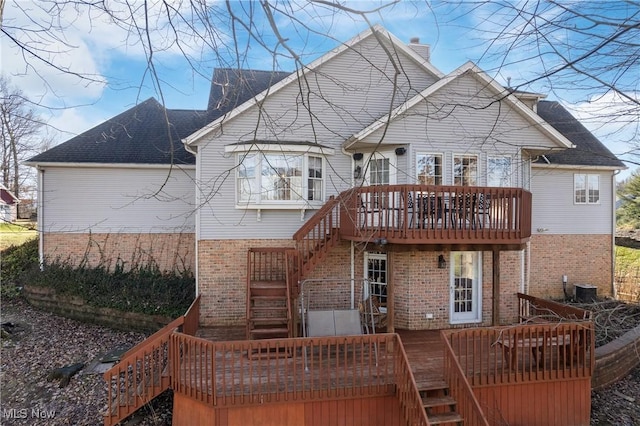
(169, 251)
(420, 287)
(584, 259)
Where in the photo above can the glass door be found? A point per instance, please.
(465, 287)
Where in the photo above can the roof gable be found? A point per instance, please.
(378, 32)
(490, 84)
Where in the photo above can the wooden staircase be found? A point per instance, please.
(269, 274)
(439, 404)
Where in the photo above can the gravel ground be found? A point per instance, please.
(41, 342)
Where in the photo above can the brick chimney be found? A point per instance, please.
(424, 50)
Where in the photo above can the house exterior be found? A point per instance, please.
(454, 193)
(8, 205)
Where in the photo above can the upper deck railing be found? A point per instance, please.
(428, 214)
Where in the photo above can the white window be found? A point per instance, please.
(586, 188)
(276, 178)
(429, 169)
(465, 170)
(499, 171)
(379, 171)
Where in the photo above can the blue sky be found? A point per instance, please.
(115, 60)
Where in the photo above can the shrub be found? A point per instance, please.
(144, 290)
(15, 264)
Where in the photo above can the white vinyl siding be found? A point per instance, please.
(110, 200)
(356, 94)
(554, 210)
(464, 119)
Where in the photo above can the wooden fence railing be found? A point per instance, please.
(220, 374)
(407, 390)
(436, 214)
(143, 372)
(467, 404)
(534, 309)
(525, 353)
(316, 237)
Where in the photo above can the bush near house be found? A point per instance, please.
(144, 289)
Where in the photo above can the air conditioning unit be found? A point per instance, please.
(586, 293)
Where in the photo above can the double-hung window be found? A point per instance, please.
(269, 178)
(499, 171)
(586, 188)
(429, 169)
(465, 170)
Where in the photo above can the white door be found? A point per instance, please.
(465, 287)
(375, 265)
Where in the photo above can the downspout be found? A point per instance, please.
(353, 248)
(613, 234)
(197, 207)
(40, 217)
(522, 273)
(353, 274)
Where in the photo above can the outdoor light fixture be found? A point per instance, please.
(357, 172)
(442, 264)
(357, 156)
(401, 151)
(380, 241)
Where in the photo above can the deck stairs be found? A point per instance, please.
(439, 404)
(269, 274)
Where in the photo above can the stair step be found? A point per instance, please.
(267, 309)
(432, 385)
(268, 321)
(256, 297)
(269, 331)
(437, 401)
(438, 419)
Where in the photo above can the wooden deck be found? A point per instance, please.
(424, 350)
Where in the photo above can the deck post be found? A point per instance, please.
(496, 287)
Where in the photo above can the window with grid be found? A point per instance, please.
(429, 169)
(379, 171)
(586, 188)
(499, 171)
(465, 170)
(264, 178)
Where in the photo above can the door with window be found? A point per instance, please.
(376, 272)
(465, 287)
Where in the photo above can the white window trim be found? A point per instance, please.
(453, 166)
(490, 157)
(586, 202)
(379, 155)
(442, 160)
(304, 150)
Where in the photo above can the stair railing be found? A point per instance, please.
(407, 390)
(144, 371)
(468, 405)
(318, 235)
(142, 374)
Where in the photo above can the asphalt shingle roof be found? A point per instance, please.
(148, 133)
(145, 134)
(589, 151)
